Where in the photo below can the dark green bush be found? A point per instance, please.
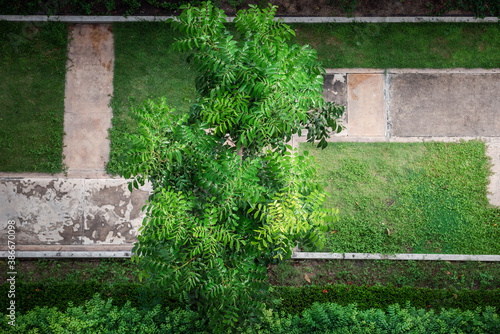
(31, 295)
(296, 300)
(99, 316)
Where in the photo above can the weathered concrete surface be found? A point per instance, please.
(366, 105)
(335, 88)
(444, 104)
(71, 211)
(89, 86)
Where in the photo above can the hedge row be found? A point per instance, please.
(99, 316)
(293, 300)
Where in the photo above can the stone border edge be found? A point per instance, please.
(400, 257)
(287, 19)
(295, 256)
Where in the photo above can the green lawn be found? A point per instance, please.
(403, 45)
(145, 68)
(409, 197)
(32, 76)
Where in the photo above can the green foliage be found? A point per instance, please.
(100, 316)
(228, 197)
(294, 300)
(56, 294)
(347, 6)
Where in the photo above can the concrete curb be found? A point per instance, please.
(470, 71)
(68, 254)
(400, 257)
(295, 256)
(364, 19)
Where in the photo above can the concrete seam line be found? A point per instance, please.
(386, 105)
(361, 19)
(400, 257)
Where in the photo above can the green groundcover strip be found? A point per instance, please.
(409, 197)
(32, 76)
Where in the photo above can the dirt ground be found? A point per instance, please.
(304, 8)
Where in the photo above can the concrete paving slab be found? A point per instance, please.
(366, 105)
(89, 87)
(444, 104)
(63, 211)
(46, 211)
(87, 146)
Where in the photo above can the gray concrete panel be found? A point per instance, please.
(366, 105)
(444, 104)
(71, 211)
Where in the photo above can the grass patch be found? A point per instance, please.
(145, 68)
(32, 76)
(409, 197)
(421, 274)
(403, 45)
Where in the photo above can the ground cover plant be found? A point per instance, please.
(98, 315)
(425, 274)
(409, 197)
(32, 77)
(419, 274)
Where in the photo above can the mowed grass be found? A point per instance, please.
(409, 197)
(145, 68)
(32, 76)
(403, 45)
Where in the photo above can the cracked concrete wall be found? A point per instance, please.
(71, 211)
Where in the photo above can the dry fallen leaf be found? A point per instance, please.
(307, 278)
(388, 232)
(333, 232)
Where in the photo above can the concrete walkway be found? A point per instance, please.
(89, 87)
(89, 213)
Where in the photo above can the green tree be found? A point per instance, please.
(229, 196)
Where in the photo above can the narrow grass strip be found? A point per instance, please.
(32, 77)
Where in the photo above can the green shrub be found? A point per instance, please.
(100, 316)
(50, 294)
(296, 300)
(293, 300)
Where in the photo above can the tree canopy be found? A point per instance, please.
(229, 194)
